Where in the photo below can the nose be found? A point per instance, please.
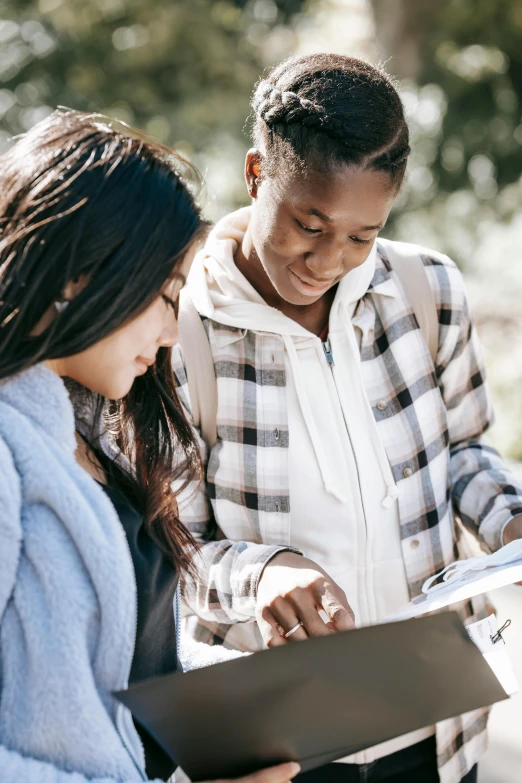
(327, 260)
(170, 333)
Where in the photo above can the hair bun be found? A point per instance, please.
(331, 108)
(274, 106)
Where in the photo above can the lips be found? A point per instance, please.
(315, 288)
(145, 362)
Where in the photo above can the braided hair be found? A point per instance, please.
(326, 109)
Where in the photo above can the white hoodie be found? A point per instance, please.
(344, 514)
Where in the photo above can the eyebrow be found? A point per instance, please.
(321, 216)
(318, 214)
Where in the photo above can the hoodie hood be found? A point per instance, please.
(221, 293)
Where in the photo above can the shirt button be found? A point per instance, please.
(276, 434)
(407, 472)
(415, 544)
(381, 405)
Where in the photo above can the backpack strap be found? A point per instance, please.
(199, 366)
(406, 262)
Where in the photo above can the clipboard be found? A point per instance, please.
(315, 701)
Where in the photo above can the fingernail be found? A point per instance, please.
(295, 767)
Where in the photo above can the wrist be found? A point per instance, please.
(281, 556)
(285, 557)
(512, 530)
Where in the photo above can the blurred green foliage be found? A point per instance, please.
(460, 64)
(182, 69)
(475, 56)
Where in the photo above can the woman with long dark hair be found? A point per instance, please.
(97, 236)
(348, 440)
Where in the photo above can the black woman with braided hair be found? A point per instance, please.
(349, 428)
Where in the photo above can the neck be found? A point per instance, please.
(86, 458)
(54, 365)
(312, 317)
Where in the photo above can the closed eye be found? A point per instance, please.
(307, 229)
(316, 231)
(359, 241)
(171, 303)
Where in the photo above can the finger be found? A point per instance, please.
(270, 629)
(280, 774)
(285, 615)
(338, 610)
(313, 623)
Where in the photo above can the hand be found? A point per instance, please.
(512, 531)
(280, 774)
(293, 589)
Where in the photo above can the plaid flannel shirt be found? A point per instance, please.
(431, 420)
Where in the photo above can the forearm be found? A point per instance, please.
(485, 493)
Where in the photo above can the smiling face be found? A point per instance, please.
(110, 366)
(308, 231)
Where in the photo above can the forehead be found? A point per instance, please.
(179, 275)
(341, 193)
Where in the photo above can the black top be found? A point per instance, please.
(155, 651)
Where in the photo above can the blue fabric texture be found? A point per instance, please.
(67, 601)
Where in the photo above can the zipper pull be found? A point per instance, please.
(327, 348)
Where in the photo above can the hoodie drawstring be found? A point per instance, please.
(315, 437)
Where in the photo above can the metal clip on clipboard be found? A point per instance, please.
(497, 637)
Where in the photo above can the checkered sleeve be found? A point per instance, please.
(485, 494)
(224, 588)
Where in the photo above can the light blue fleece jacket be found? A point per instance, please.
(67, 601)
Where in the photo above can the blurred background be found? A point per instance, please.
(184, 70)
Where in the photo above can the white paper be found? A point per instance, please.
(465, 579)
(495, 653)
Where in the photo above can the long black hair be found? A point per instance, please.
(324, 109)
(82, 195)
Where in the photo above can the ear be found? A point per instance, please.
(75, 287)
(253, 171)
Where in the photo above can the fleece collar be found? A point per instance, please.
(41, 396)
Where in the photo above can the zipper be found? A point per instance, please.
(123, 714)
(327, 348)
(123, 717)
(176, 620)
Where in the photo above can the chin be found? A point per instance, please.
(293, 297)
(119, 393)
(115, 390)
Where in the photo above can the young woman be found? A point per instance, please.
(97, 230)
(344, 453)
